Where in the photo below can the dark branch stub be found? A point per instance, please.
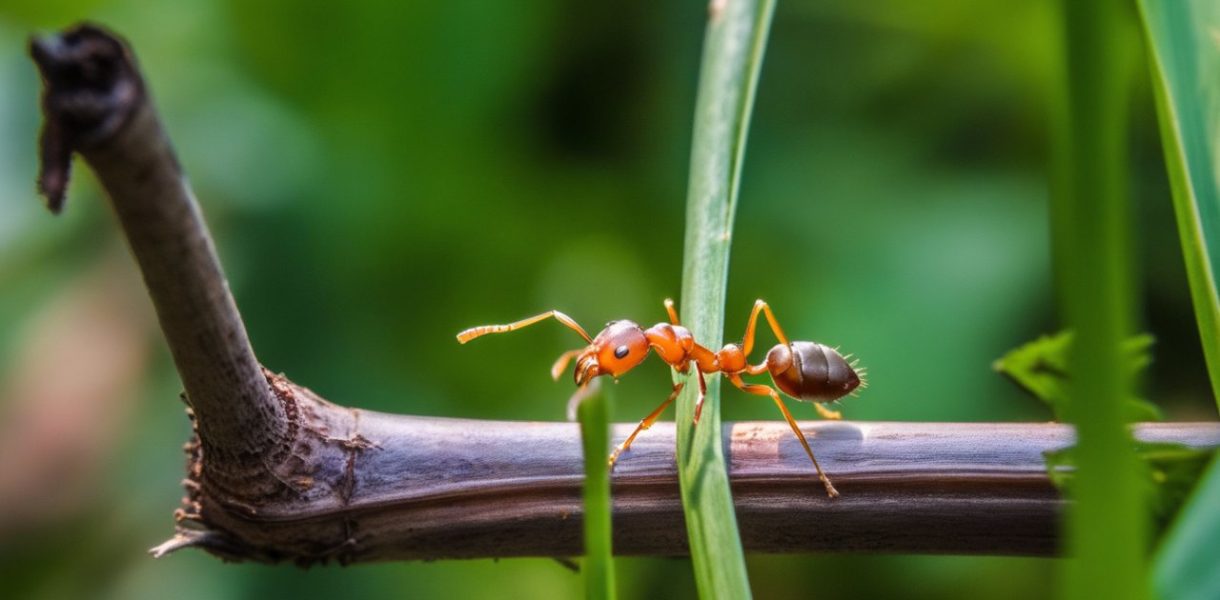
(96, 104)
(91, 87)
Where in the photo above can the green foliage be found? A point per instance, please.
(593, 411)
(1168, 474)
(381, 174)
(1186, 564)
(1168, 471)
(1041, 368)
(732, 59)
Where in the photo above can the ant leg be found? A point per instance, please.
(475, 332)
(582, 392)
(673, 312)
(826, 413)
(762, 390)
(645, 423)
(702, 395)
(748, 343)
(703, 357)
(562, 362)
(705, 360)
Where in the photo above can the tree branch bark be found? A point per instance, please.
(95, 103)
(386, 487)
(277, 473)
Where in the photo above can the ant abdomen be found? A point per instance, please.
(811, 371)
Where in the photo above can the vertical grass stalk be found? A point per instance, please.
(732, 57)
(594, 415)
(1106, 529)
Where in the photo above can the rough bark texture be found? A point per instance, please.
(277, 473)
(365, 486)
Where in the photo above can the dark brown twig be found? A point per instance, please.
(96, 104)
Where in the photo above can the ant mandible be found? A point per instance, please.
(806, 371)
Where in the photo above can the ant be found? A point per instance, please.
(806, 371)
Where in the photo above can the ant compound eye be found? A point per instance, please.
(621, 351)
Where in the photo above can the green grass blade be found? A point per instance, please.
(1184, 39)
(1187, 565)
(1185, 53)
(594, 415)
(1107, 523)
(732, 57)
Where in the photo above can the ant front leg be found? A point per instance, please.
(762, 390)
(646, 423)
(578, 396)
(562, 362)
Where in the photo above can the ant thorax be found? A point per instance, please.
(672, 343)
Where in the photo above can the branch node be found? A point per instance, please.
(91, 87)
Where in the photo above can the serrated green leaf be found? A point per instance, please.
(1169, 472)
(1042, 368)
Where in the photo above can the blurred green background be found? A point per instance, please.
(380, 176)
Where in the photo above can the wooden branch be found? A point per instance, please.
(383, 487)
(96, 104)
(277, 473)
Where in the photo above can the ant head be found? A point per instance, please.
(617, 349)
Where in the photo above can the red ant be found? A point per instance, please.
(806, 371)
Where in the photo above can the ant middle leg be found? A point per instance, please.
(762, 390)
(702, 394)
(646, 423)
(673, 312)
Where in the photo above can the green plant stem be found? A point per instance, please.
(1107, 525)
(594, 414)
(732, 57)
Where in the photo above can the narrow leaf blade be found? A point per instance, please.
(732, 57)
(1184, 39)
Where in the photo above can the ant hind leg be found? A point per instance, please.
(762, 390)
(826, 413)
